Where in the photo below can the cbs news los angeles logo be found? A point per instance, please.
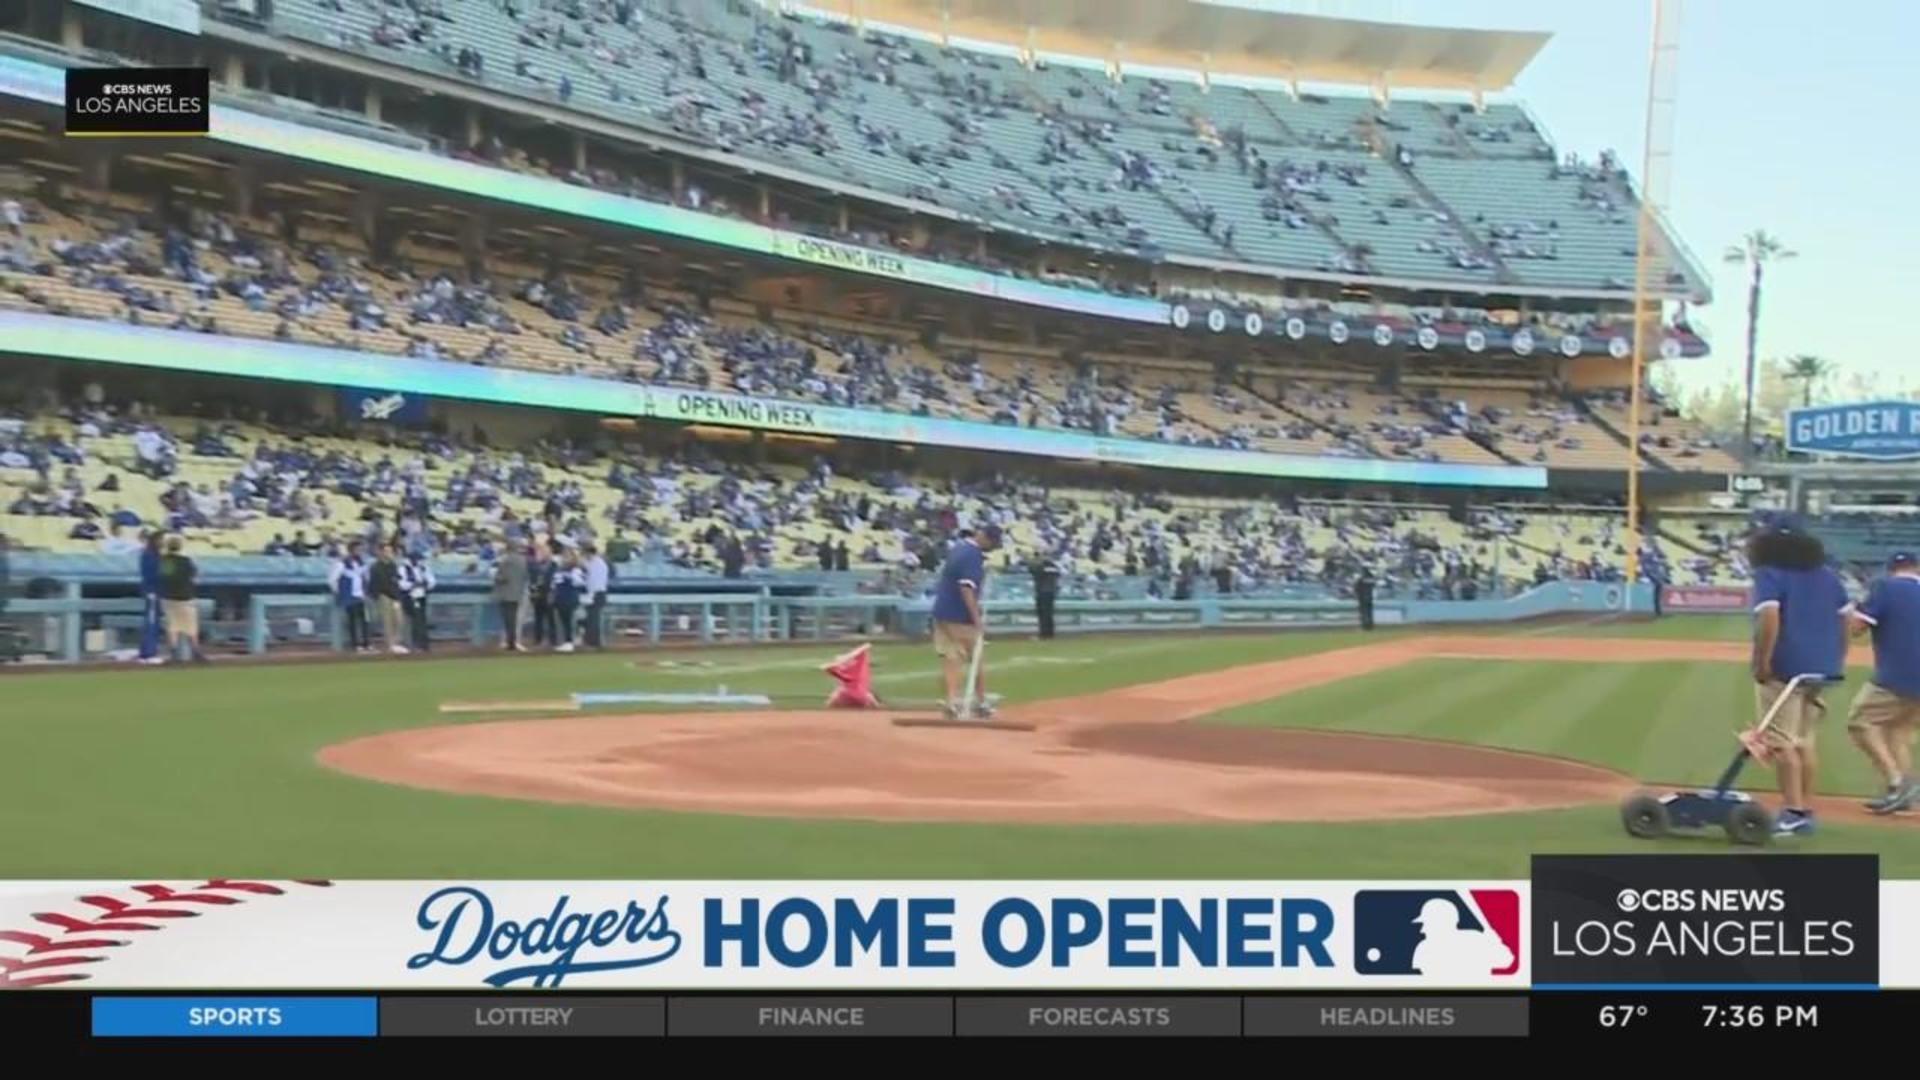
(137, 101)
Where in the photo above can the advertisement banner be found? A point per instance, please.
(252, 935)
(1703, 598)
(1881, 430)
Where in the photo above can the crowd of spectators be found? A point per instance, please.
(312, 487)
(821, 95)
(205, 271)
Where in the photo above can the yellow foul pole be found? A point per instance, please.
(1656, 165)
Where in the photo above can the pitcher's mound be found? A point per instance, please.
(847, 765)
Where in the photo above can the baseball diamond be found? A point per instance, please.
(638, 440)
(1312, 753)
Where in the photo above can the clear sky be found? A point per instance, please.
(1794, 117)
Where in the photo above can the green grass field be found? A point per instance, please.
(183, 772)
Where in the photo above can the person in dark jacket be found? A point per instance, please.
(826, 555)
(1363, 598)
(509, 592)
(150, 599)
(1046, 593)
(540, 571)
(733, 557)
(178, 576)
(842, 559)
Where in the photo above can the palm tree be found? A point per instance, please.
(1756, 250)
(1807, 370)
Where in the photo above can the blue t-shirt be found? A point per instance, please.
(1893, 609)
(966, 565)
(1812, 638)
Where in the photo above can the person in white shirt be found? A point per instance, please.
(347, 578)
(151, 445)
(416, 584)
(599, 578)
(118, 543)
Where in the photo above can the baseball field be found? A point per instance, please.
(1321, 754)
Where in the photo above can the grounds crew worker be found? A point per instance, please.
(1046, 593)
(1886, 711)
(1800, 615)
(958, 621)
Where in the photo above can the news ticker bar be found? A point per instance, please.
(1623, 1013)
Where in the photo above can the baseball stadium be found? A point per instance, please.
(888, 439)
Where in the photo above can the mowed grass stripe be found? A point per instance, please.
(1669, 723)
(1567, 703)
(1695, 741)
(1402, 700)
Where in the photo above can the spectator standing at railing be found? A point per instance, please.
(599, 579)
(1046, 593)
(569, 584)
(416, 585)
(1363, 597)
(178, 576)
(347, 578)
(509, 594)
(150, 557)
(540, 573)
(383, 584)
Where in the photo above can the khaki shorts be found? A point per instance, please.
(954, 640)
(1876, 706)
(183, 618)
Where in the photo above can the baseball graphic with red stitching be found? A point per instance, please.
(64, 944)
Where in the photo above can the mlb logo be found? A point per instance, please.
(1439, 933)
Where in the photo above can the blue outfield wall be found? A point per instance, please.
(1553, 598)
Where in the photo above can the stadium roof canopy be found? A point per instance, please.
(1223, 40)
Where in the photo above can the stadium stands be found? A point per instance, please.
(1187, 179)
(67, 479)
(113, 260)
(1418, 189)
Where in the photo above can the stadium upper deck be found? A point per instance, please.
(1290, 404)
(1418, 192)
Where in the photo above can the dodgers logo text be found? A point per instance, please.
(553, 945)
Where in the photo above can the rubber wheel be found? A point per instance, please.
(1645, 817)
(1749, 823)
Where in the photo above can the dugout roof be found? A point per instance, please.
(1225, 40)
